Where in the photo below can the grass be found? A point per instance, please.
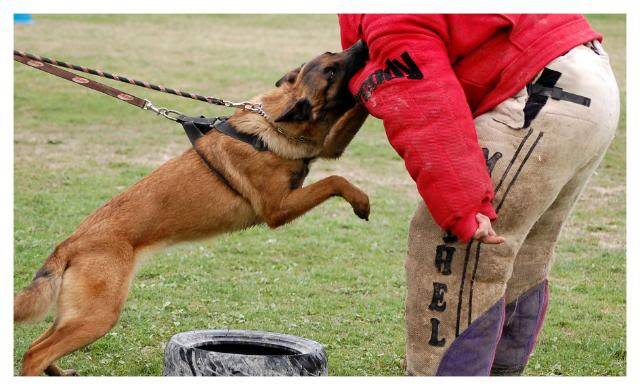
(328, 276)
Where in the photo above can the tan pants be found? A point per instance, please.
(457, 294)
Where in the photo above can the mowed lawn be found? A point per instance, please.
(328, 276)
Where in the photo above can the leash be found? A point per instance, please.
(46, 65)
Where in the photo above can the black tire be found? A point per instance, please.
(242, 353)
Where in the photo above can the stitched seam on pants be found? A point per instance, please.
(515, 177)
(464, 272)
(467, 251)
(477, 260)
(473, 278)
(513, 159)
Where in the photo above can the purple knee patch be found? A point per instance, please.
(524, 318)
(471, 354)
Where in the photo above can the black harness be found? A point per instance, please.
(197, 127)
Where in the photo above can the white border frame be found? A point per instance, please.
(322, 6)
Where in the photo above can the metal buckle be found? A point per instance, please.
(165, 112)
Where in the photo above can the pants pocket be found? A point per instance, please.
(511, 111)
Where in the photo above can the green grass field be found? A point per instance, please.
(329, 276)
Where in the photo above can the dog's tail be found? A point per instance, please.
(32, 304)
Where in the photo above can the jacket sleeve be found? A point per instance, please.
(409, 84)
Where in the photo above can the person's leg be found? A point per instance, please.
(527, 291)
(455, 292)
(527, 294)
(455, 305)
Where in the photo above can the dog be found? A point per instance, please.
(224, 186)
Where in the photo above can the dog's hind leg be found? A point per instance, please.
(67, 338)
(54, 370)
(43, 336)
(93, 291)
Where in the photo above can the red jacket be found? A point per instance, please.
(429, 75)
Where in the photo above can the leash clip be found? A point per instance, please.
(165, 112)
(245, 106)
(253, 107)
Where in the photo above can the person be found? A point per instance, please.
(494, 115)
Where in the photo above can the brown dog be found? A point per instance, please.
(230, 186)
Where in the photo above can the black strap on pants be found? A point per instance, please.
(543, 89)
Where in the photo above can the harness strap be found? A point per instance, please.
(113, 92)
(225, 127)
(197, 127)
(558, 93)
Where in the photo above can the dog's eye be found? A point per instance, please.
(331, 73)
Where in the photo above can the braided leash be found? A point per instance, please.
(40, 63)
(123, 79)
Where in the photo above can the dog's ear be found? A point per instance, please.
(289, 77)
(297, 112)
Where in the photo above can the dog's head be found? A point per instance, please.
(311, 98)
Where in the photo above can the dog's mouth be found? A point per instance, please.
(356, 57)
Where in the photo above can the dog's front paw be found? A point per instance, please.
(361, 206)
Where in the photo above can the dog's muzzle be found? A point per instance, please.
(357, 56)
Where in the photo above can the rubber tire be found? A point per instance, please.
(182, 357)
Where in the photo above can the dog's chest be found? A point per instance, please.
(298, 175)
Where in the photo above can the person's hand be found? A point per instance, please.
(485, 233)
